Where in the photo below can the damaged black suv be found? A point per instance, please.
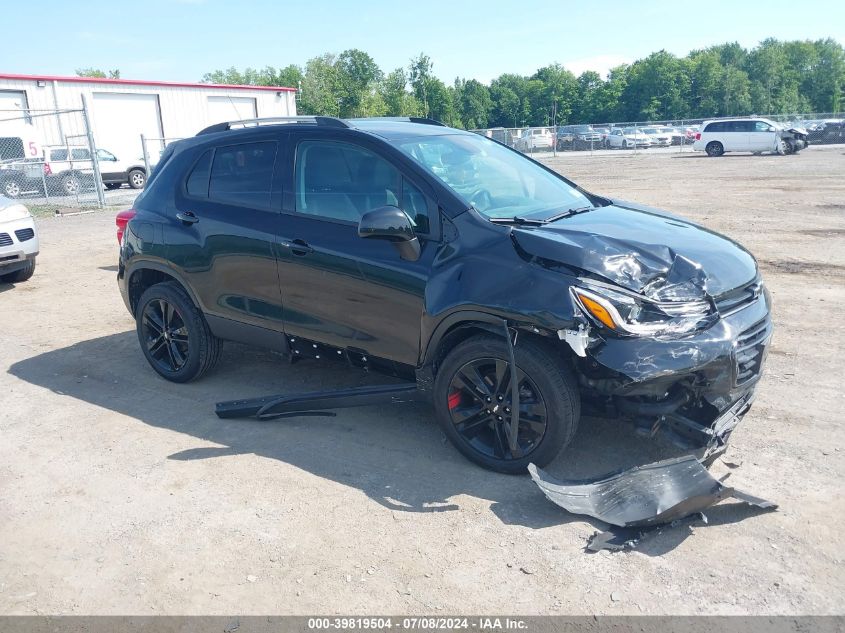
(448, 259)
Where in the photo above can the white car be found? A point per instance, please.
(535, 138)
(18, 242)
(628, 137)
(68, 172)
(657, 137)
(748, 135)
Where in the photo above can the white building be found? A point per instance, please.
(123, 109)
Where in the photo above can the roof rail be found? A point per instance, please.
(405, 119)
(325, 121)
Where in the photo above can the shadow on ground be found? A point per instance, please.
(395, 454)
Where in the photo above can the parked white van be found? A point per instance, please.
(756, 135)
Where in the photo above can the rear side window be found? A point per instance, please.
(715, 127)
(58, 154)
(80, 154)
(243, 174)
(197, 183)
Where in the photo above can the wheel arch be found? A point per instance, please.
(143, 275)
(462, 325)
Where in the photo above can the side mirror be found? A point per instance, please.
(392, 224)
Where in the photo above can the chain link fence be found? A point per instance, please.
(152, 149)
(49, 160)
(674, 135)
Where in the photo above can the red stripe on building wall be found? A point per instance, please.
(138, 82)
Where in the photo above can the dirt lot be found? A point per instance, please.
(122, 493)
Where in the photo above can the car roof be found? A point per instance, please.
(392, 129)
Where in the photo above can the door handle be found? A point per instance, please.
(187, 217)
(297, 247)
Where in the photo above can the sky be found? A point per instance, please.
(180, 40)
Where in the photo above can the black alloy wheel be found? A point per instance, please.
(173, 333)
(165, 335)
(472, 400)
(480, 408)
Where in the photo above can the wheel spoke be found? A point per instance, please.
(153, 320)
(472, 380)
(154, 346)
(472, 424)
(176, 354)
(172, 359)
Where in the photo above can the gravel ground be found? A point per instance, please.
(121, 493)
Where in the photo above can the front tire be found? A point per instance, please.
(19, 276)
(174, 335)
(472, 399)
(714, 149)
(137, 179)
(71, 185)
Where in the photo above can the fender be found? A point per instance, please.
(147, 264)
(486, 320)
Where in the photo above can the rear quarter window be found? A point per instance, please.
(243, 174)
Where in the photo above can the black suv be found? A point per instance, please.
(445, 258)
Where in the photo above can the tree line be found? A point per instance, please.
(775, 77)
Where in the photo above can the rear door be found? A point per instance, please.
(337, 288)
(222, 232)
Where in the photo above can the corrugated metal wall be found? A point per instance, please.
(121, 112)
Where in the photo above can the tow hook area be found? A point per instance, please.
(578, 339)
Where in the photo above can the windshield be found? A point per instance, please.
(496, 181)
(631, 130)
(651, 130)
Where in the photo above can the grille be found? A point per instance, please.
(738, 298)
(25, 234)
(5, 239)
(751, 351)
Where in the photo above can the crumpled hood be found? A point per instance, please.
(659, 255)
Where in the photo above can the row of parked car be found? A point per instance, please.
(586, 137)
(589, 137)
(66, 171)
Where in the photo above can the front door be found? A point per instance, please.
(337, 288)
(762, 136)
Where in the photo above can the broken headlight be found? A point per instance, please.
(636, 315)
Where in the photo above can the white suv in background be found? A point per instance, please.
(535, 138)
(756, 135)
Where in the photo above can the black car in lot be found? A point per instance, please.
(443, 257)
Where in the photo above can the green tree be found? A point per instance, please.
(357, 79)
(398, 101)
(96, 72)
(473, 102)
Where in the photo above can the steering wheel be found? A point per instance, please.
(481, 199)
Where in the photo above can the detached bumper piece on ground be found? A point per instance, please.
(642, 499)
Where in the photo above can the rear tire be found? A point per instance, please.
(19, 276)
(714, 149)
(137, 179)
(174, 335)
(474, 412)
(11, 189)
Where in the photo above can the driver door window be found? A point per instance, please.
(341, 181)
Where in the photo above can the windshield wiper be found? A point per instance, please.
(518, 219)
(568, 213)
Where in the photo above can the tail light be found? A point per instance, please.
(698, 136)
(121, 221)
(47, 170)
